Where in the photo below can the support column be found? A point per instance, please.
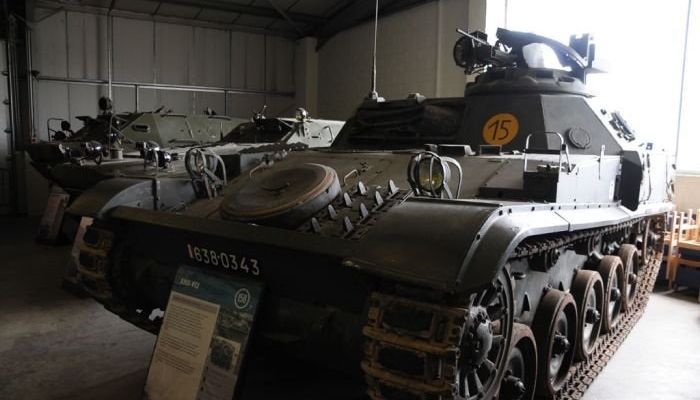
(20, 97)
(306, 76)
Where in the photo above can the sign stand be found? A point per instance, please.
(70, 277)
(52, 219)
(204, 336)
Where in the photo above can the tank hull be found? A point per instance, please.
(501, 249)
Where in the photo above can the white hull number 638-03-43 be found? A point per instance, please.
(223, 259)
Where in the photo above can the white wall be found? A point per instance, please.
(414, 54)
(687, 192)
(74, 45)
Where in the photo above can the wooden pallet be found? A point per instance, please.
(682, 237)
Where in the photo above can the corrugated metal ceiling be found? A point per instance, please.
(291, 18)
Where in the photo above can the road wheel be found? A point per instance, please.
(612, 272)
(554, 327)
(630, 261)
(519, 380)
(587, 290)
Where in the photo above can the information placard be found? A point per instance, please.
(202, 341)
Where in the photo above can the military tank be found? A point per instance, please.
(108, 135)
(497, 245)
(155, 144)
(108, 143)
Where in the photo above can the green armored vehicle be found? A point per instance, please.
(144, 145)
(111, 134)
(495, 245)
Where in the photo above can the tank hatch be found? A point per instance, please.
(282, 197)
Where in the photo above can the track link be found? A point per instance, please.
(412, 348)
(94, 268)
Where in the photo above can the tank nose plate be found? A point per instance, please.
(285, 196)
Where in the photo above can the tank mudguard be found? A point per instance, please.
(151, 194)
(422, 241)
(452, 246)
(459, 246)
(46, 153)
(502, 234)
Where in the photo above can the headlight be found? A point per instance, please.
(301, 115)
(431, 174)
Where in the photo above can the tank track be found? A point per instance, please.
(434, 346)
(583, 373)
(93, 274)
(425, 356)
(408, 381)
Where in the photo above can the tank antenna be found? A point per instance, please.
(373, 95)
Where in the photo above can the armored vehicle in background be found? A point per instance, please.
(72, 160)
(496, 245)
(110, 134)
(151, 144)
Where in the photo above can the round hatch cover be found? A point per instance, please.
(282, 196)
(579, 137)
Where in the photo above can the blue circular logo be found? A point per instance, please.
(242, 298)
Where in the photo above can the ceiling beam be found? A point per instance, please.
(357, 12)
(247, 9)
(57, 5)
(338, 8)
(287, 18)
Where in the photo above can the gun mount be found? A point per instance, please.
(473, 52)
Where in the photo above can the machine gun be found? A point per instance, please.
(474, 53)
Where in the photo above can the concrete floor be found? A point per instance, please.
(54, 345)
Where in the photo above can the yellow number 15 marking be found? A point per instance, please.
(500, 129)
